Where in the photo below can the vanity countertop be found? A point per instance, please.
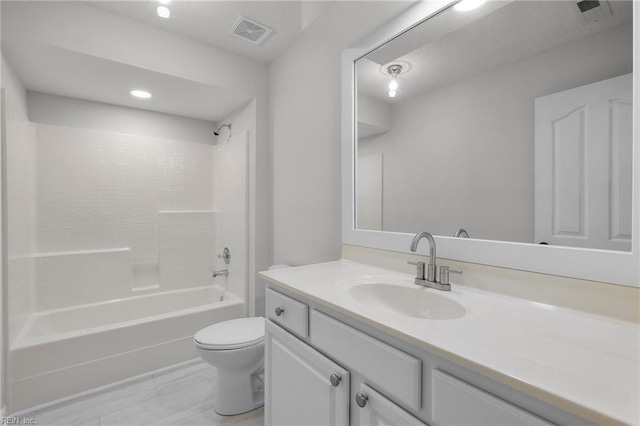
(585, 364)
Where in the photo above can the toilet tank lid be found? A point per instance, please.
(232, 333)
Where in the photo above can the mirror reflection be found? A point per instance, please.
(505, 121)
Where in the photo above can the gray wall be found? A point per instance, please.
(304, 96)
(462, 155)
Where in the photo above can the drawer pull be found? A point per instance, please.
(279, 311)
(335, 380)
(361, 399)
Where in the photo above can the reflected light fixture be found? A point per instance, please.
(163, 12)
(466, 5)
(394, 70)
(142, 94)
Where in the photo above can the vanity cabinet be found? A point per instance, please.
(331, 372)
(305, 387)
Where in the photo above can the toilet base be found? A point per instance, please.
(238, 392)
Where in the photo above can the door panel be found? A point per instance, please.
(583, 173)
(379, 411)
(298, 384)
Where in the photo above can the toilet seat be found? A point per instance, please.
(232, 334)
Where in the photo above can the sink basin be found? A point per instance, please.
(414, 302)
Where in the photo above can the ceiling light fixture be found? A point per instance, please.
(394, 70)
(466, 5)
(164, 1)
(163, 12)
(142, 94)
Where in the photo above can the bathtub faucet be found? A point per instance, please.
(223, 273)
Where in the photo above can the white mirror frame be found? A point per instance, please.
(597, 265)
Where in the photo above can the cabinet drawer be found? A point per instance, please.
(293, 315)
(458, 403)
(393, 372)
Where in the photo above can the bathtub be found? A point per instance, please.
(68, 351)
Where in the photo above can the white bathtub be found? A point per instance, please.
(68, 351)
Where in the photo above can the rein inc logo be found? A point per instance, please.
(13, 420)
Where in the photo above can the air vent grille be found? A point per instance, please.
(587, 5)
(249, 30)
(591, 11)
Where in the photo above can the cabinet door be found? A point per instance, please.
(379, 411)
(299, 388)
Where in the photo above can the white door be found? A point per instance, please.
(583, 166)
(369, 192)
(376, 410)
(299, 386)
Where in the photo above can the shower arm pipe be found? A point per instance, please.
(222, 126)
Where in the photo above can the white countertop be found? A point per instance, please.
(585, 364)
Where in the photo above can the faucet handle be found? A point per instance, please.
(420, 271)
(444, 274)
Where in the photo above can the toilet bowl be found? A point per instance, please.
(236, 349)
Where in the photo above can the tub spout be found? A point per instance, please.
(223, 273)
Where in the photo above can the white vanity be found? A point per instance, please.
(340, 350)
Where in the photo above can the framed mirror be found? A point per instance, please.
(504, 128)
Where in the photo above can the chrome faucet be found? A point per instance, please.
(222, 273)
(226, 256)
(431, 269)
(430, 280)
(461, 233)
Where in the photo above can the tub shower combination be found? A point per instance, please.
(67, 351)
(114, 278)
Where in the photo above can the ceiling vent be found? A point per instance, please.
(592, 10)
(249, 30)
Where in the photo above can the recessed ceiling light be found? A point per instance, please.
(466, 5)
(163, 12)
(142, 94)
(164, 1)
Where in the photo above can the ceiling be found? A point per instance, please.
(48, 69)
(451, 47)
(209, 21)
(81, 49)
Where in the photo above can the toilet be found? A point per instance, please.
(236, 349)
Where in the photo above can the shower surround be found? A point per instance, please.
(117, 217)
(121, 214)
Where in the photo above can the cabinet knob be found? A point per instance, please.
(335, 379)
(279, 311)
(361, 399)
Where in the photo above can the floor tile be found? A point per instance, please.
(211, 418)
(252, 418)
(165, 409)
(180, 396)
(182, 377)
(83, 410)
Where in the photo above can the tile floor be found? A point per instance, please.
(179, 396)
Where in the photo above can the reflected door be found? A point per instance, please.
(583, 166)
